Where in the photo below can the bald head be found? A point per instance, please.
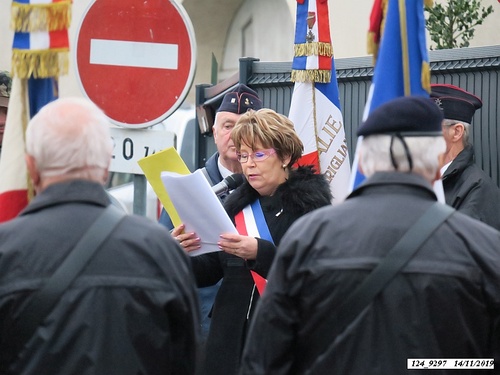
(68, 139)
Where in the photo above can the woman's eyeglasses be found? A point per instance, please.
(256, 156)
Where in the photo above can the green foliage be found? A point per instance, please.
(452, 25)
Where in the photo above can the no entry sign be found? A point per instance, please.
(136, 59)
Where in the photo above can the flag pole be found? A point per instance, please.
(404, 47)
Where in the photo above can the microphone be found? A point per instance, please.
(229, 183)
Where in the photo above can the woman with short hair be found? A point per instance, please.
(274, 195)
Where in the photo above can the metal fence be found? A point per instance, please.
(476, 70)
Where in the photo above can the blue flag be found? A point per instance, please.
(402, 66)
(41, 91)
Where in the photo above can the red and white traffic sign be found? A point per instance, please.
(136, 59)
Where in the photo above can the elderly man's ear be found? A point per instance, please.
(32, 170)
(456, 132)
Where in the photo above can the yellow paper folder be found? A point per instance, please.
(152, 166)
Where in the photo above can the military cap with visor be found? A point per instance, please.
(239, 100)
(456, 103)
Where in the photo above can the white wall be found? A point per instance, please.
(272, 32)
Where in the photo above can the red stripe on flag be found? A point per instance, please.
(12, 203)
(325, 63)
(59, 39)
(323, 22)
(376, 16)
(310, 159)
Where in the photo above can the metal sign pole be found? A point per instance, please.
(140, 188)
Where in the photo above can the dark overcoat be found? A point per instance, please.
(445, 303)
(132, 310)
(470, 190)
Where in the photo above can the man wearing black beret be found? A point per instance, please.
(467, 187)
(221, 164)
(341, 298)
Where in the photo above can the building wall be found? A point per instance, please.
(268, 34)
(217, 25)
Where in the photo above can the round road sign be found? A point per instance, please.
(136, 59)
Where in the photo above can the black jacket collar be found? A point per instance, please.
(382, 180)
(464, 159)
(302, 192)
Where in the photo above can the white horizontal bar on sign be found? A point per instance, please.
(134, 54)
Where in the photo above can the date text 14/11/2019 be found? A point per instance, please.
(450, 363)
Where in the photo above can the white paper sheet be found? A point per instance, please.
(198, 208)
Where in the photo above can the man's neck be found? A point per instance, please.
(232, 166)
(224, 171)
(452, 153)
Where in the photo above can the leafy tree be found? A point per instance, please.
(452, 25)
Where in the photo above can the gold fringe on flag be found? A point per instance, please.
(39, 64)
(428, 3)
(313, 49)
(426, 76)
(371, 45)
(311, 75)
(41, 17)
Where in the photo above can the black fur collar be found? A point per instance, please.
(304, 191)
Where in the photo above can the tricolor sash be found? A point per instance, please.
(251, 222)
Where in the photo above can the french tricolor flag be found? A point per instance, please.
(41, 40)
(39, 56)
(315, 106)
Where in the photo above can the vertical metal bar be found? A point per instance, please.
(246, 68)
(140, 195)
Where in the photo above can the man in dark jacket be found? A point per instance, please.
(467, 187)
(133, 308)
(220, 165)
(444, 303)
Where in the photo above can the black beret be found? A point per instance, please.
(406, 115)
(239, 100)
(456, 104)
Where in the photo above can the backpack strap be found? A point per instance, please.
(44, 300)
